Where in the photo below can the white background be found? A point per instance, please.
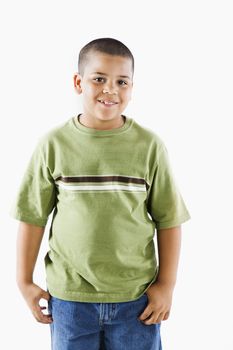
(183, 87)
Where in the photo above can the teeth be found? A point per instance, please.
(107, 102)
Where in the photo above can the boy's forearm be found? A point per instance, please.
(28, 244)
(169, 243)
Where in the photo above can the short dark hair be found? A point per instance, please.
(105, 45)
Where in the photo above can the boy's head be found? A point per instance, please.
(108, 46)
(105, 79)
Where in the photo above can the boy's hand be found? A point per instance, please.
(159, 305)
(32, 294)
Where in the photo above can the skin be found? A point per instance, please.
(95, 114)
(98, 116)
(160, 293)
(28, 244)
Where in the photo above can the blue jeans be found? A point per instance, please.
(101, 326)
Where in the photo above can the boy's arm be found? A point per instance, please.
(169, 243)
(160, 293)
(28, 244)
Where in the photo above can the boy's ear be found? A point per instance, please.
(77, 83)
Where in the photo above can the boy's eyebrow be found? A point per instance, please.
(119, 76)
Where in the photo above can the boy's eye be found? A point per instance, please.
(122, 82)
(101, 80)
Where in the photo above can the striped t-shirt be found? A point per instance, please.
(108, 191)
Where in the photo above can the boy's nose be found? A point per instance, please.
(108, 91)
(110, 88)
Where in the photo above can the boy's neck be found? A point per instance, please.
(102, 125)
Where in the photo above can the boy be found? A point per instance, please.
(110, 184)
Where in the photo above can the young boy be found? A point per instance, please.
(110, 184)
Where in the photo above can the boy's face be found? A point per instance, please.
(106, 85)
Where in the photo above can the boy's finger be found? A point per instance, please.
(146, 313)
(166, 316)
(40, 317)
(45, 295)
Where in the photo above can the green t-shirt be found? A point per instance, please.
(109, 190)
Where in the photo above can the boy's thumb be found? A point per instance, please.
(45, 295)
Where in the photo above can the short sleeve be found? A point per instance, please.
(165, 203)
(36, 195)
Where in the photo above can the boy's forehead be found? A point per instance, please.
(108, 64)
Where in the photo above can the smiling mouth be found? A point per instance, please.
(107, 103)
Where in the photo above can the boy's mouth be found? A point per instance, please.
(107, 102)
